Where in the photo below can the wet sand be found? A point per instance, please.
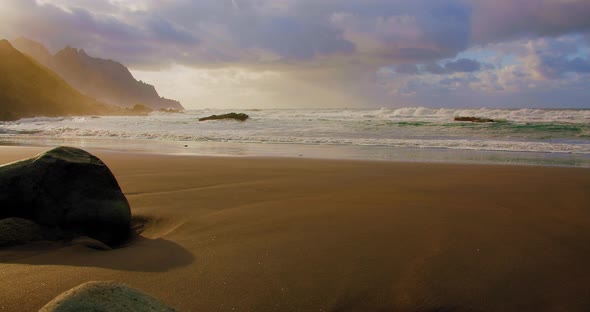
(280, 234)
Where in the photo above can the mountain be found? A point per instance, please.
(106, 80)
(33, 49)
(29, 89)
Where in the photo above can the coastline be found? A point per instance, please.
(522, 136)
(308, 151)
(262, 234)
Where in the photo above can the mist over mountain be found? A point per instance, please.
(105, 80)
(34, 49)
(29, 89)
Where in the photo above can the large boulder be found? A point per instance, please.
(235, 116)
(15, 231)
(69, 190)
(473, 119)
(105, 297)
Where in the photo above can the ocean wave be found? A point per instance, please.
(446, 143)
(426, 114)
(519, 115)
(39, 119)
(517, 130)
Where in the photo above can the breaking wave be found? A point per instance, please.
(538, 130)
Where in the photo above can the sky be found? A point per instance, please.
(330, 53)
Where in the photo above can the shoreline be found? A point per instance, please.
(264, 234)
(319, 151)
(19, 152)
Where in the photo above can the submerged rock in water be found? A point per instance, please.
(236, 116)
(69, 190)
(105, 296)
(473, 119)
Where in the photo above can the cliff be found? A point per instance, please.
(29, 89)
(106, 80)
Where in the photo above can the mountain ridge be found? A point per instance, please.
(29, 89)
(105, 80)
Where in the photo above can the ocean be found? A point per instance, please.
(558, 137)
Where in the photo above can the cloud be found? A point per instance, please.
(434, 68)
(557, 67)
(462, 66)
(291, 38)
(236, 87)
(137, 38)
(397, 32)
(409, 69)
(376, 52)
(556, 58)
(501, 20)
(205, 32)
(383, 31)
(543, 72)
(165, 31)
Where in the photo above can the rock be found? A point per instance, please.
(170, 110)
(140, 109)
(473, 119)
(14, 231)
(236, 116)
(105, 296)
(69, 190)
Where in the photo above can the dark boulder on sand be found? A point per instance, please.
(67, 190)
(14, 231)
(105, 296)
(235, 116)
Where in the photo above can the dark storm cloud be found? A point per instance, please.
(293, 30)
(406, 32)
(552, 67)
(289, 37)
(137, 37)
(387, 31)
(463, 66)
(449, 28)
(164, 30)
(342, 39)
(409, 69)
(552, 59)
(434, 68)
(77, 25)
(500, 20)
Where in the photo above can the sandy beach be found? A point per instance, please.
(288, 234)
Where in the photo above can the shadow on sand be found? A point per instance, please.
(140, 254)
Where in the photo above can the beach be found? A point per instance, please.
(302, 234)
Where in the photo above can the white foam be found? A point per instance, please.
(343, 127)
